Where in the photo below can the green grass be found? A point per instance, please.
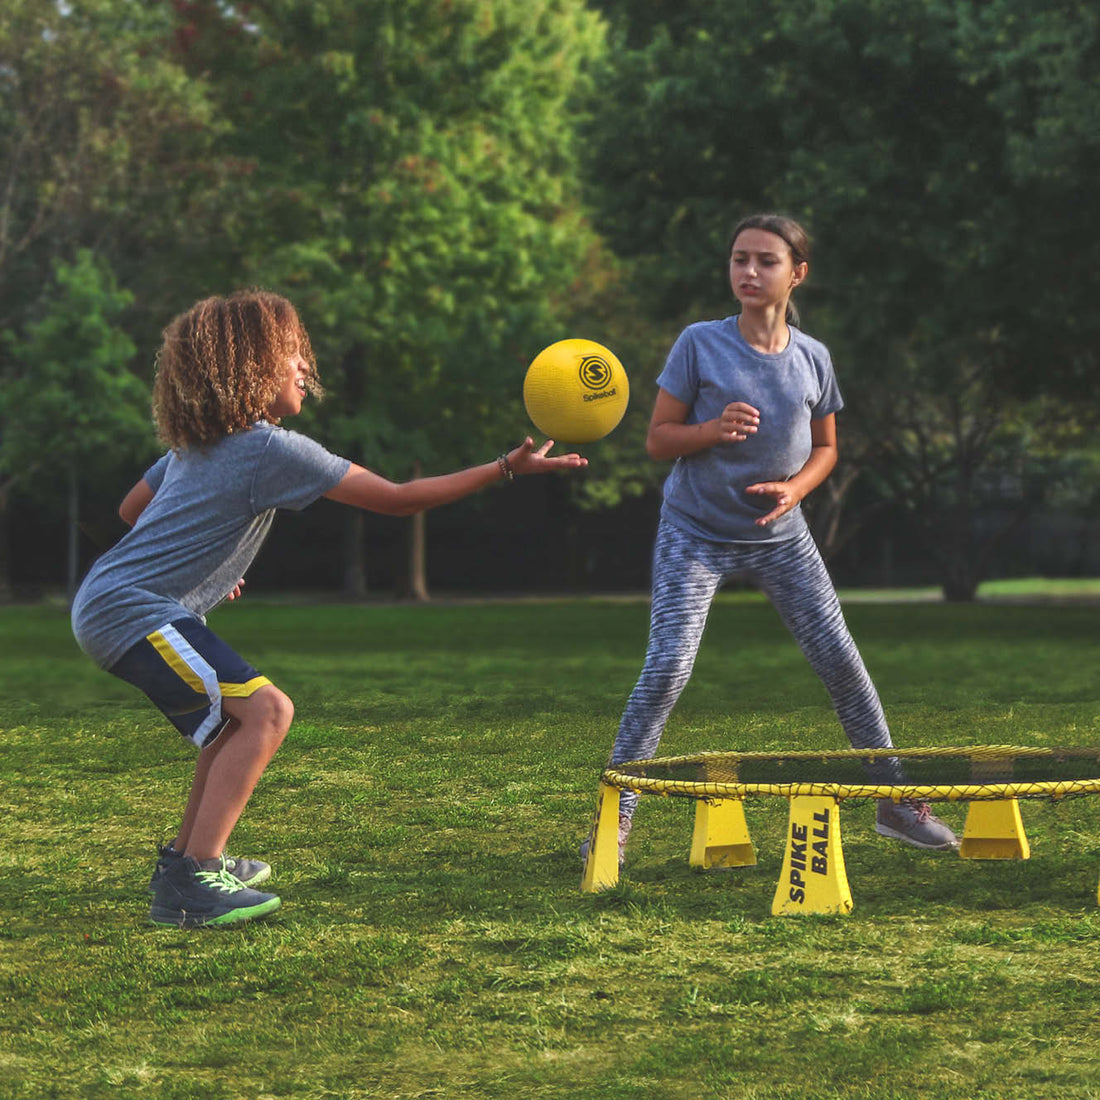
(423, 821)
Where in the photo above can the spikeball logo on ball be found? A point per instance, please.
(576, 391)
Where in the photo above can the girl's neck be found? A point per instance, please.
(765, 330)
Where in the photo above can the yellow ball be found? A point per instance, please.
(575, 391)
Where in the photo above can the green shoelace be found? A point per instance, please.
(220, 880)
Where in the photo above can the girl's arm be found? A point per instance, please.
(364, 489)
(135, 502)
(670, 437)
(818, 467)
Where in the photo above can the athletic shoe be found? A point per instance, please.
(189, 895)
(624, 831)
(913, 823)
(249, 872)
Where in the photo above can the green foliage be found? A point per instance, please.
(70, 394)
(104, 144)
(940, 153)
(423, 818)
(417, 167)
(410, 172)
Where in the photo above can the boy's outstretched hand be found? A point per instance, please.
(525, 459)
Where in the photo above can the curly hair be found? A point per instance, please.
(222, 364)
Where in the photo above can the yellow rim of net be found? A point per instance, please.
(941, 792)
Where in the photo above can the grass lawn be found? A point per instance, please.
(423, 820)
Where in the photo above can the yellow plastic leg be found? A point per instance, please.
(721, 836)
(813, 879)
(994, 830)
(601, 866)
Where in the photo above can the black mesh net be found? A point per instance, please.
(975, 772)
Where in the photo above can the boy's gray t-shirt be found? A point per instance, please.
(209, 515)
(711, 365)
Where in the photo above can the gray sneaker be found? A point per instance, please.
(249, 872)
(913, 823)
(624, 831)
(190, 895)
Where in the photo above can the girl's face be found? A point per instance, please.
(762, 270)
(288, 401)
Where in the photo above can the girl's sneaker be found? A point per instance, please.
(913, 823)
(189, 895)
(249, 872)
(624, 832)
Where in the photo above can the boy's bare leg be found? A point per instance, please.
(198, 785)
(227, 771)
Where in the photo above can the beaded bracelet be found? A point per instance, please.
(506, 468)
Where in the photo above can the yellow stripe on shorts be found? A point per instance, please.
(243, 691)
(182, 669)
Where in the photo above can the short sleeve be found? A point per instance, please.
(680, 376)
(830, 400)
(154, 476)
(294, 471)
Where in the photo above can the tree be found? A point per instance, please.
(104, 146)
(941, 153)
(74, 407)
(414, 190)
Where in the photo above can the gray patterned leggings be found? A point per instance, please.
(687, 572)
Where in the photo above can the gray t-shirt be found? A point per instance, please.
(711, 365)
(209, 515)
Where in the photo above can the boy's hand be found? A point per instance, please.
(524, 459)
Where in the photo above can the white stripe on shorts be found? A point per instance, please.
(192, 667)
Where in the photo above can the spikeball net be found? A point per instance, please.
(813, 879)
(974, 773)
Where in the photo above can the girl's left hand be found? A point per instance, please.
(785, 499)
(524, 459)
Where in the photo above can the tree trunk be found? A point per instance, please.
(5, 549)
(72, 558)
(418, 558)
(960, 585)
(354, 555)
(416, 580)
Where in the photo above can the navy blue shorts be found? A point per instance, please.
(186, 670)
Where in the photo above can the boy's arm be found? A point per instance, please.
(135, 502)
(364, 489)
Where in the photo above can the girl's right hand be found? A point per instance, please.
(737, 422)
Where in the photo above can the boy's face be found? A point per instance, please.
(288, 401)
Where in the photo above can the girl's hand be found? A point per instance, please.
(737, 422)
(238, 590)
(785, 499)
(526, 460)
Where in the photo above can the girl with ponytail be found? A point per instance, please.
(746, 410)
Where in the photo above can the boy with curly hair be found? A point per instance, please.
(229, 370)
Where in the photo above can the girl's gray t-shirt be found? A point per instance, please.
(210, 513)
(711, 365)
